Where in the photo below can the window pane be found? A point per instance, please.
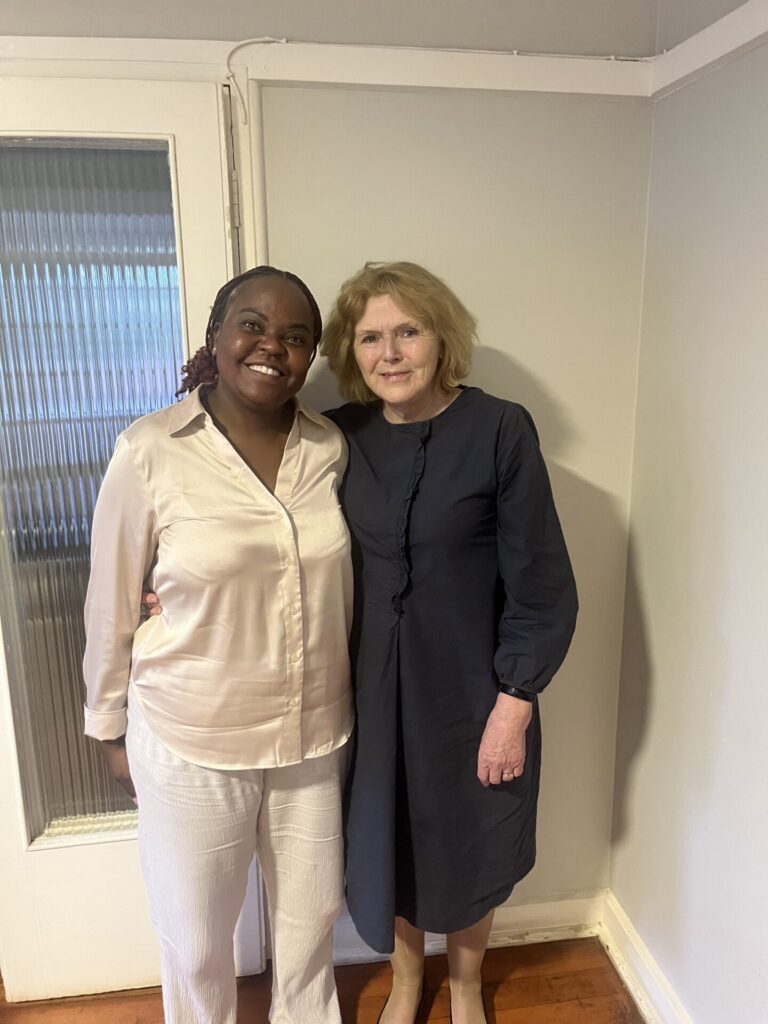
(89, 312)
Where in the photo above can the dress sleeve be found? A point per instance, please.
(540, 603)
(123, 545)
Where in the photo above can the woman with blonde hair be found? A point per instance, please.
(465, 605)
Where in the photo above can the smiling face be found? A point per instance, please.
(397, 356)
(264, 344)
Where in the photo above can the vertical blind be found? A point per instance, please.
(91, 339)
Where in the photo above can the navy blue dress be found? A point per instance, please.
(462, 580)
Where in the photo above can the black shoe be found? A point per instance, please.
(485, 1009)
(418, 1008)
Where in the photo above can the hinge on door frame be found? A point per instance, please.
(233, 178)
(234, 196)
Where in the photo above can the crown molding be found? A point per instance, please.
(743, 29)
(291, 63)
(325, 64)
(393, 67)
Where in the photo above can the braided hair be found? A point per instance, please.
(201, 368)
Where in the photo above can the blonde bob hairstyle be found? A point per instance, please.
(419, 294)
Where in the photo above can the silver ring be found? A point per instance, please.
(508, 775)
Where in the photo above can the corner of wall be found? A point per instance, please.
(631, 465)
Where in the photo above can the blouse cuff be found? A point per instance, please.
(106, 725)
(515, 691)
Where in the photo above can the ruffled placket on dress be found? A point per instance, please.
(423, 432)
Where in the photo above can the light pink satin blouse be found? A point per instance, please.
(248, 666)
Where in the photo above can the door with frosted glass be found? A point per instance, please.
(89, 307)
(96, 316)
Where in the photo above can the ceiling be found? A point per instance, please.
(630, 28)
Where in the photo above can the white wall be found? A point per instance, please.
(680, 19)
(533, 208)
(691, 806)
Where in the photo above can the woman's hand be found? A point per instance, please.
(113, 752)
(150, 604)
(501, 757)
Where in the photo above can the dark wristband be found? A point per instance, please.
(513, 691)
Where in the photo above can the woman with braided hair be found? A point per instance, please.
(226, 717)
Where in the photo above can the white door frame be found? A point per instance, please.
(73, 914)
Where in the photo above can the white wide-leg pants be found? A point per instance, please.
(198, 830)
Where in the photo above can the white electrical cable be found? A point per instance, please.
(232, 78)
(495, 53)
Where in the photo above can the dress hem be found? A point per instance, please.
(439, 928)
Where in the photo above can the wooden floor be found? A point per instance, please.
(570, 982)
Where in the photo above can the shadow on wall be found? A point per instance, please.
(499, 374)
(589, 797)
(634, 698)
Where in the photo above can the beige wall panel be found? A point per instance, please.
(691, 824)
(532, 208)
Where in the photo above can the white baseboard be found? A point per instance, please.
(514, 924)
(653, 994)
(597, 913)
(562, 917)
